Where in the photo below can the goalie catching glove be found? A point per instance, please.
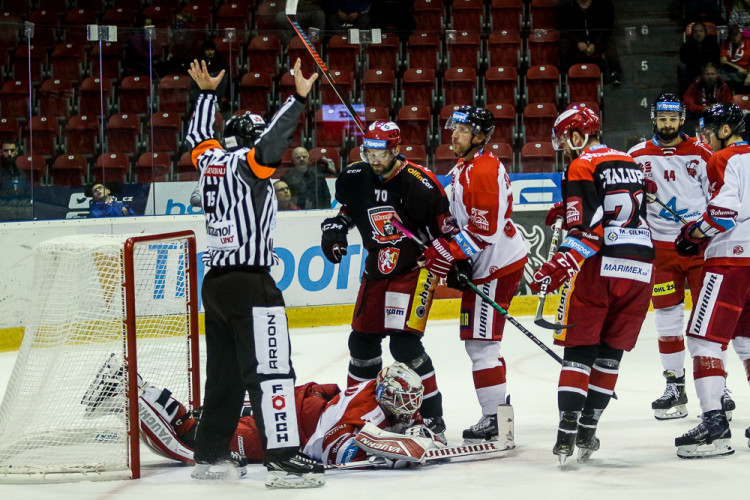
(333, 240)
(562, 267)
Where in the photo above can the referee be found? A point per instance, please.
(247, 338)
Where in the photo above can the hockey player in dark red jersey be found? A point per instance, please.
(607, 256)
(722, 308)
(395, 295)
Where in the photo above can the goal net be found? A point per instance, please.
(104, 308)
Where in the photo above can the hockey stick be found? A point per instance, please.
(437, 455)
(538, 319)
(398, 225)
(653, 197)
(291, 12)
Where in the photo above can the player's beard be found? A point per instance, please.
(667, 136)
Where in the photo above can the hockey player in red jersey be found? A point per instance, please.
(676, 164)
(485, 248)
(722, 308)
(395, 295)
(607, 256)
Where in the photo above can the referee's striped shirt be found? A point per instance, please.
(239, 201)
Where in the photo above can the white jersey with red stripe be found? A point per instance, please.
(482, 204)
(343, 417)
(680, 176)
(727, 217)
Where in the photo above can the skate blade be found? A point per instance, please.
(679, 411)
(719, 448)
(283, 480)
(479, 440)
(584, 454)
(217, 472)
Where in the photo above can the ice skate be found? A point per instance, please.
(222, 470)
(484, 430)
(566, 436)
(437, 426)
(299, 471)
(671, 404)
(586, 439)
(711, 438)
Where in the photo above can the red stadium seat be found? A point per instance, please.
(82, 134)
(423, 51)
(504, 152)
(14, 99)
(123, 134)
(379, 88)
(505, 122)
(161, 17)
(232, 15)
(153, 167)
(538, 119)
(543, 47)
(460, 85)
(345, 83)
(46, 24)
(465, 50)
(584, 83)
(542, 84)
(201, 13)
(329, 128)
(587, 104)
(67, 61)
(35, 166)
(376, 114)
(119, 16)
(507, 14)
(538, 157)
(256, 91)
(8, 128)
(69, 170)
(501, 84)
(467, 15)
(428, 15)
(33, 58)
(41, 136)
(111, 167)
(416, 125)
(341, 54)
(167, 129)
(445, 160)
(56, 98)
(111, 58)
(743, 101)
(185, 170)
(89, 96)
(542, 14)
(296, 49)
(386, 54)
(265, 16)
(135, 95)
(504, 49)
(174, 93)
(264, 54)
(415, 153)
(418, 87)
(10, 27)
(230, 50)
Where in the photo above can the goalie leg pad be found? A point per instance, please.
(159, 435)
(505, 426)
(376, 441)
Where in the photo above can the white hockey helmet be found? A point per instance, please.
(399, 390)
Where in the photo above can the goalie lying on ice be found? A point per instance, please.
(329, 420)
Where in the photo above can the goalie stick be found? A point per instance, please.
(291, 13)
(399, 225)
(539, 319)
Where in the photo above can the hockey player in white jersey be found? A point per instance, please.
(722, 308)
(676, 164)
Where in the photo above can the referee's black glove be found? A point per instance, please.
(460, 274)
(333, 241)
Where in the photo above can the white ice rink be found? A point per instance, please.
(636, 460)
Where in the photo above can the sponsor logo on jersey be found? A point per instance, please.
(383, 230)
(394, 311)
(737, 250)
(692, 168)
(387, 259)
(621, 175)
(664, 288)
(278, 419)
(479, 218)
(215, 171)
(715, 212)
(613, 267)
(416, 173)
(574, 211)
(425, 294)
(278, 402)
(646, 167)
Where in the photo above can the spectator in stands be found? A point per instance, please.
(183, 47)
(735, 60)
(310, 14)
(345, 14)
(15, 192)
(698, 50)
(103, 204)
(141, 55)
(586, 36)
(284, 196)
(708, 89)
(740, 14)
(308, 185)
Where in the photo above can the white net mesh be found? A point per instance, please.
(65, 407)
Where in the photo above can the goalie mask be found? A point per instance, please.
(380, 142)
(399, 391)
(575, 119)
(243, 130)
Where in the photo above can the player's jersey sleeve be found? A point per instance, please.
(425, 205)
(725, 185)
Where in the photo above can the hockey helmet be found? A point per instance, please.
(480, 120)
(667, 102)
(399, 390)
(576, 118)
(722, 114)
(242, 130)
(380, 136)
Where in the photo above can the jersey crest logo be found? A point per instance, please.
(383, 230)
(692, 168)
(738, 250)
(573, 212)
(479, 218)
(387, 259)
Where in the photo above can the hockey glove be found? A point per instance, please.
(333, 241)
(687, 245)
(558, 270)
(438, 258)
(557, 210)
(459, 274)
(651, 189)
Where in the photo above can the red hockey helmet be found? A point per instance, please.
(382, 135)
(576, 118)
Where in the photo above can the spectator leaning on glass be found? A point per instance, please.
(103, 204)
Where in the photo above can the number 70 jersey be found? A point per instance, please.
(680, 175)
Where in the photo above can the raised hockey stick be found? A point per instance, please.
(291, 12)
(398, 225)
(538, 319)
(433, 456)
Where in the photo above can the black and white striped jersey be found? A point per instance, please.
(239, 201)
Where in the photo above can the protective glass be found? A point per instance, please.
(558, 142)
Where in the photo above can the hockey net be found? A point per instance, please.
(103, 309)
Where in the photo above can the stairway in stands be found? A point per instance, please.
(648, 40)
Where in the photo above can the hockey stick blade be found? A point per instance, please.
(438, 455)
(539, 319)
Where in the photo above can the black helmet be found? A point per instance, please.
(480, 119)
(242, 130)
(667, 102)
(723, 114)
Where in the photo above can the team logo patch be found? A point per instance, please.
(692, 168)
(479, 218)
(278, 402)
(383, 230)
(387, 259)
(215, 171)
(737, 250)
(573, 212)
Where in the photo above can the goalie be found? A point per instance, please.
(329, 420)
